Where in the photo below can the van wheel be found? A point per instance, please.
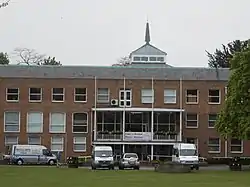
(19, 162)
(51, 162)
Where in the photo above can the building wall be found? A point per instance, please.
(203, 109)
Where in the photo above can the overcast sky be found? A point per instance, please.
(98, 32)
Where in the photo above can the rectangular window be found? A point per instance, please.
(79, 144)
(80, 94)
(169, 96)
(191, 120)
(214, 145)
(192, 140)
(137, 58)
(192, 96)
(57, 143)
(125, 98)
(57, 122)
(211, 120)
(34, 122)
(34, 140)
(11, 121)
(214, 96)
(10, 140)
(103, 95)
(152, 59)
(147, 96)
(57, 94)
(12, 94)
(80, 123)
(236, 146)
(160, 59)
(144, 58)
(35, 94)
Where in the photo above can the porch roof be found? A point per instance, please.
(135, 109)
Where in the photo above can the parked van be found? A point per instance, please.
(102, 157)
(32, 154)
(186, 153)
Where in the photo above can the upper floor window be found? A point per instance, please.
(57, 94)
(125, 98)
(80, 123)
(161, 59)
(35, 94)
(214, 96)
(214, 145)
(11, 121)
(211, 120)
(80, 94)
(103, 95)
(34, 122)
(12, 94)
(152, 59)
(57, 122)
(192, 120)
(144, 58)
(137, 58)
(169, 96)
(236, 146)
(192, 96)
(147, 96)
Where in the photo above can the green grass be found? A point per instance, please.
(64, 177)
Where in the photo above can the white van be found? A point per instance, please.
(186, 153)
(102, 157)
(32, 154)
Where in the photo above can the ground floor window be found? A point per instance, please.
(57, 143)
(236, 146)
(34, 140)
(79, 144)
(214, 145)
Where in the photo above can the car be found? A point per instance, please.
(129, 160)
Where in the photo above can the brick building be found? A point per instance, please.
(144, 107)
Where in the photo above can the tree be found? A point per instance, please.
(234, 118)
(51, 61)
(4, 4)
(4, 59)
(221, 57)
(28, 56)
(123, 61)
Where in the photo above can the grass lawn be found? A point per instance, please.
(64, 177)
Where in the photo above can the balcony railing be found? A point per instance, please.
(109, 136)
(169, 136)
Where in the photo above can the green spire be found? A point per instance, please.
(147, 34)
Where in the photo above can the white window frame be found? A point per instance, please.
(192, 96)
(39, 137)
(19, 121)
(52, 94)
(170, 93)
(79, 125)
(191, 127)
(57, 143)
(82, 94)
(50, 122)
(213, 145)
(18, 94)
(37, 94)
(15, 143)
(219, 96)
(103, 94)
(79, 143)
(147, 96)
(209, 120)
(35, 123)
(125, 100)
(234, 145)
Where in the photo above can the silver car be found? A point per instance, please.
(129, 160)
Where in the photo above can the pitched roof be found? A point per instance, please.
(148, 49)
(112, 72)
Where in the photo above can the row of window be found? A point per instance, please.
(214, 145)
(125, 96)
(192, 120)
(57, 142)
(57, 122)
(150, 59)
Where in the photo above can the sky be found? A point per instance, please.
(99, 32)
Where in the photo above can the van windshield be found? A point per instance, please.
(188, 152)
(103, 153)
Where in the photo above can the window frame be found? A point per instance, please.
(234, 145)
(19, 122)
(50, 117)
(6, 95)
(40, 140)
(213, 145)
(79, 125)
(52, 95)
(98, 94)
(213, 121)
(192, 96)
(40, 94)
(27, 122)
(209, 96)
(165, 95)
(86, 95)
(196, 141)
(197, 121)
(17, 138)
(151, 95)
(51, 143)
(79, 143)
(125, 100)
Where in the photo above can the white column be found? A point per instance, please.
(123, 148)
(95, 113)
(152, 152)
(181, 107)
